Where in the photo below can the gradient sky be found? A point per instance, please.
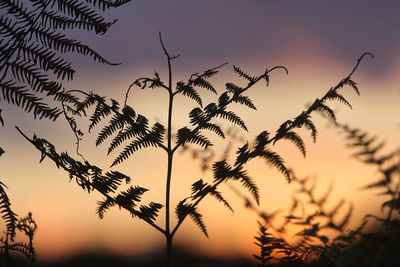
(318, 41)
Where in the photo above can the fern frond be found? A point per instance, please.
(117, 122)
(362, 141)
(128, 197)
(153, 138)
(185, 135)
(353, 85)
(47, 60)
(21, 97)
(189, 91)
(325, 110)
(197, 187)
(244, 74)
(200, 189)
(220, 198)
(182, 210)
(223, 100)
(101, 111)
(103, 206)
(309, 125)
(200, 82)
(197, 218)
(109, 182)
(9, 28)
(350, 83)
(56, 21)
(149, 82)
(221, 170)
(210, 110)
(369, 151)
(282, 130)
(244, 100)
(131, 131)
(243, 155)
(79, 10)
(89, 101)
(333, 95)
(213, 128)
(23, 248)
(346, 219)
(232, 117)
(8, 215)
(233, 88)
(292, 136)
(269, 245)
(18, 10)
(249, 184)
(150, 212)
(63, 44)
(29, 73)
(197, 117)
(276, 161)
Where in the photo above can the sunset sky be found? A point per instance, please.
(319, 42)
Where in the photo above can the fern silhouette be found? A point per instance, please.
(387, 164)
(323, 237)
(356, 247)
(310, 244)
(270, 246)
(13, 224)
(25, 225)
(386, 234)
(33, 48)
(127, 130)
(33, 68)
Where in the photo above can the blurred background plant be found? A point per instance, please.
(315, 232)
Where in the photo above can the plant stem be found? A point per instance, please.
(168, 234)
(170, 152)
(169, 248)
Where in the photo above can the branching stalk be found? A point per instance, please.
(170, 153)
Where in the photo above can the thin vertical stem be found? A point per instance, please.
(169, 250)
(170, 152)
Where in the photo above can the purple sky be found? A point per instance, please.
(231, 30)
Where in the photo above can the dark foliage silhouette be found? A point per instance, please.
(307, 233)
(358, 247)
(34, 65)
(33, 49)
(13, 225)
(380, 246)
(322, 234)
(131, 132)
(387, 164)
